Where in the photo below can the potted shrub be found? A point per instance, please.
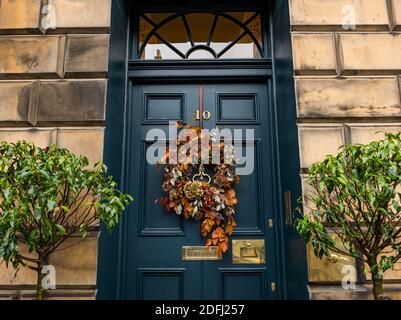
(46, 196)
(356, 196)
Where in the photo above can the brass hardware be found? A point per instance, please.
(206, 115)
(270, 223)
(194, 190)
(328, 269)
(201, 175)
(273, 286)
(248, 251)
(199, 253)
(288, 209)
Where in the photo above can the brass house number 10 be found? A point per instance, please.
(206, 115)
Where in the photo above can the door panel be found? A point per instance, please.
(245, 106)
(237, 108)
(153, 267)
(250, 191)
(243, 284)
(159, 284)
(152, 219)
(162, 107)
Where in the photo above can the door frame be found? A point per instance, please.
(290, 250)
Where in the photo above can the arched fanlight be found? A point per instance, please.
(188, 34)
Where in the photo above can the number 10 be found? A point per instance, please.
(206, 115)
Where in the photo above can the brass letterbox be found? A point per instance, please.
(199, 253)
(248, 251)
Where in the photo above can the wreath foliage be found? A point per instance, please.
(188, 193)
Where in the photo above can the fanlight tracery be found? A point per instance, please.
(192, 35)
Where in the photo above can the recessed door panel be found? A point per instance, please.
(250, 191)
(237, 108)
(242, 284)
(153, 219)
(160, 108)
(159, 284)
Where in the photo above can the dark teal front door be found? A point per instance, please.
(153, 266)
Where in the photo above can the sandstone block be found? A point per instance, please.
(348, 97)
(318, 141)
(75, 264)
(83, 141)
(307, 193)
(366, 133)
(14, 100)
(24, 56)
(371, 53)
(41, 137)
(397, 14)
(87, 54)
(314, 53)
(17, 15)
(333, 14)
(82, 13)
(78, 100)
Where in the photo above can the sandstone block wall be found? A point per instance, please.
(347, 65)
(53, 85)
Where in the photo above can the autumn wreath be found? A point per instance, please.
(192, 193)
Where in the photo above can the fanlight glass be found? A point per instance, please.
(166, 36)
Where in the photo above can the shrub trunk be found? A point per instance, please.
(40, 291)
(377, 286)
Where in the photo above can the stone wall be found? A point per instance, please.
(347, 78)
(53, 86)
